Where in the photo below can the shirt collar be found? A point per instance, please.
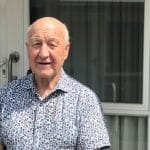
(63, 83)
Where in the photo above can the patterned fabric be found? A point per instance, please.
(69, 118)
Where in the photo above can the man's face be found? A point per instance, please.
(47, 50)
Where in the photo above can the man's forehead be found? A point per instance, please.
(47, 24)
(45, 33)
(44, 26)
(46, 29)
(45, 36)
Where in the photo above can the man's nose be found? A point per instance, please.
(44, 51)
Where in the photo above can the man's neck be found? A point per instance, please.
(45, 86)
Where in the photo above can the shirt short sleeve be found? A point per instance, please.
(0, 117)
(92, 129)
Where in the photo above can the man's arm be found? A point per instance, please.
(92, 129)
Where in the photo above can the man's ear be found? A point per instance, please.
(67, 48)
(27, 45)
(27, 48)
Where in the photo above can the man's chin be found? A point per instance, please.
(46, 75)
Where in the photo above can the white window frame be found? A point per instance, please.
(143, 108)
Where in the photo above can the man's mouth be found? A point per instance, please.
(44, 63)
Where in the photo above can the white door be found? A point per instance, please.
(13, 24)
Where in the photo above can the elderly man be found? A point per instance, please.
(47, 109)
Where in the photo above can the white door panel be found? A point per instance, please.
(14, 20)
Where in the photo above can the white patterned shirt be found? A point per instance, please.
(70, 118)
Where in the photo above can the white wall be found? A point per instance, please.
(14, 16)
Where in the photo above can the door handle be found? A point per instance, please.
(114, 91)
(13, 58)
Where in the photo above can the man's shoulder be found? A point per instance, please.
(79, 87)
(18, 84)
(14, 90)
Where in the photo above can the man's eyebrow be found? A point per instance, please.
(54, 40)
(35, 37)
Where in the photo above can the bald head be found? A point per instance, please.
(47, 47)
(48, 23)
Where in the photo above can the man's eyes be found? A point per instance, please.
(36, 44)
(49, 44)
(52, 45)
